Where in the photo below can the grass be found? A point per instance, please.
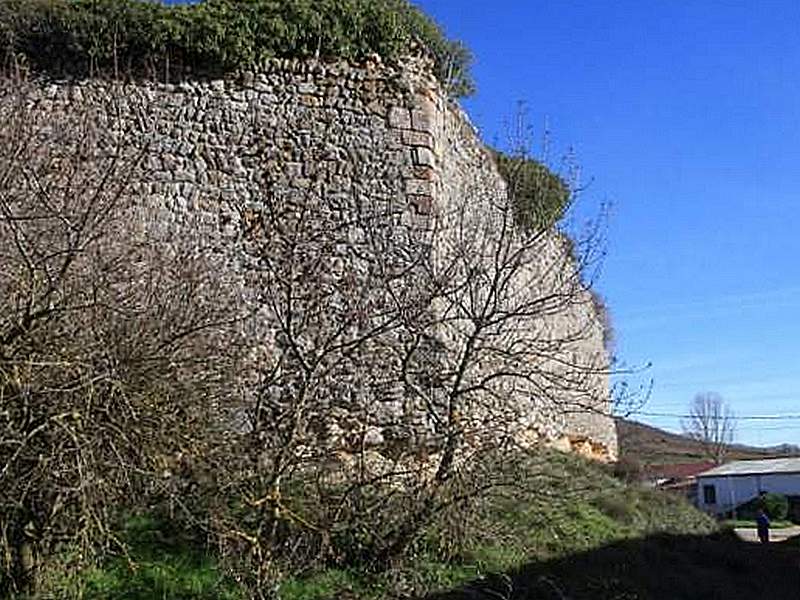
(329, 583)
(579, 508)
(162, 563)
(571, 509)
(586, 536)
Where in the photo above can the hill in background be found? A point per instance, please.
(649, 445)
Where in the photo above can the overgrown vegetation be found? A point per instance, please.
(541, 197)
(776, 506)
(162, 559)
(134, 37)
(112, 361)
(557, 505)
(578, 507)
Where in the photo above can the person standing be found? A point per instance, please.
(762, 524)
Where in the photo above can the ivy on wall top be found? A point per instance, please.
(150, 39)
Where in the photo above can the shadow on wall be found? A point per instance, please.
(663, 567)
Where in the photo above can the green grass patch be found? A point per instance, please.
(330, 583)
(162, 562)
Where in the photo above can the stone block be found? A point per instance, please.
(561, 444)
(418, 138)
(421, 120)
(422, 204)
(419, 187)
(376, 107)
(424, 172)
(400, 118)
(373, 437)
(424, 157)
(310, 101)
(307, 88)
(293, 169)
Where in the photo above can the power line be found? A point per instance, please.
(722, 417)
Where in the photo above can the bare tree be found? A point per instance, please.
(395, 359)
(505, 312)
(110, 355)
(712, 423)
(334, 297)
(401, 358)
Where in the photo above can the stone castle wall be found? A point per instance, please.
(355, 135)
(575, 416)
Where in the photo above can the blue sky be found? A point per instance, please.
(686, 117)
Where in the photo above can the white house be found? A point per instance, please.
(722, 488)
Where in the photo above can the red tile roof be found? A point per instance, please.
(679, 470)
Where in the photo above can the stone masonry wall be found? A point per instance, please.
(351, 134)
(576, 416)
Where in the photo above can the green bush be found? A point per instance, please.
(540, 196)
(776, 506)
(135, 37)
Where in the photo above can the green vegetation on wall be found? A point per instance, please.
(540, 196)
(134, 37)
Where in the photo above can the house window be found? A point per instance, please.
(709, 494)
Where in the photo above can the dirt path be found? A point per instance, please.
(749, 534)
